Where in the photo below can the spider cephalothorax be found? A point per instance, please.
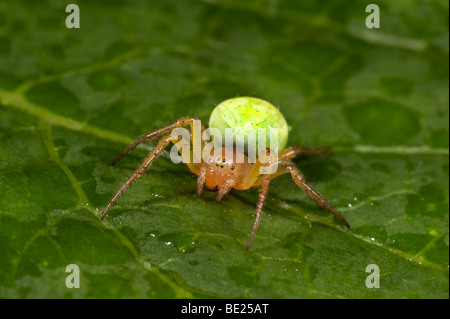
(224, 168)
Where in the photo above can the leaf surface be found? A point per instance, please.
(72, 99)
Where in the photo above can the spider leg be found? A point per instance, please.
(301, 182)
(157, 133)
(225, 189)
(263, 190)
(293, 151)
(162, 144)
(201, 180)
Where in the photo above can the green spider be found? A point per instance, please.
(244, 115)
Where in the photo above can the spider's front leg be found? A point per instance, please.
(263, 190)
(162, 144)
(257, 178)
(201, 179)
(182, 122)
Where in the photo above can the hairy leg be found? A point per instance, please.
(225, 189)
(162, 144)
(201, 179)
(301, 182)
(263, 190)
(159, 132)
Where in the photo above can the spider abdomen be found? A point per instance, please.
(247, 116)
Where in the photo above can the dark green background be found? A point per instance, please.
(72, 99)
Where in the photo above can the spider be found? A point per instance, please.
(221, 172)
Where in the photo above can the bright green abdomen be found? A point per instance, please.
(245, 115)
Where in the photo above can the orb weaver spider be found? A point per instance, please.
(222, 173)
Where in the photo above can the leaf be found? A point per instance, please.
(72, 99)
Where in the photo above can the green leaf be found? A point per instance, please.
(72, 99)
